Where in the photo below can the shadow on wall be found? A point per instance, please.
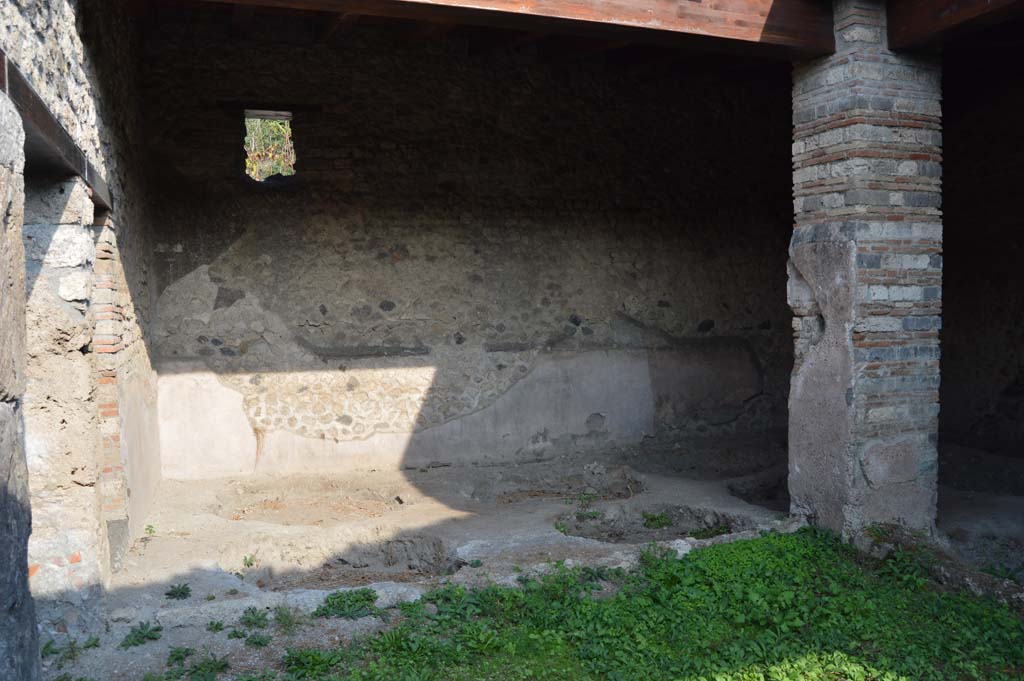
(476, 263)
(481, 258)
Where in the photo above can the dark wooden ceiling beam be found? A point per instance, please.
(339, 24)
(796, 27)
(915, 24)
(49, 148)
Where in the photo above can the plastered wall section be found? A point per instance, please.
(478, 259)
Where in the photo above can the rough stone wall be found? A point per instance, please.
(468, 241)
(78, 56)
(67, 548)
(865, 280)
(19, 644)
(983, 328)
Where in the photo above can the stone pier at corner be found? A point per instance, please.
(865, 280)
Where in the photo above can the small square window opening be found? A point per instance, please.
(268, 144)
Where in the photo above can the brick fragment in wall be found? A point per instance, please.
(867, 163)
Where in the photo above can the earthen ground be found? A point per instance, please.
(267, 541)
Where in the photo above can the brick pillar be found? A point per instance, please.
(108, 344)
(865, 280)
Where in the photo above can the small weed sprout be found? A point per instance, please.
(253, 618)
(709, 532)
(208, 668)
(249, 561)
(150, 531)
(91, 642)
(143, 632)
(351, 604)
(656, 521)
(237, 633)
(257, 640)
(285, 619)
(177, 656)
(179, 592)
(215, 626)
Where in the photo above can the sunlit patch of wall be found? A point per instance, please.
(577, 254)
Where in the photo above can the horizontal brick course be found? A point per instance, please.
(867, 168)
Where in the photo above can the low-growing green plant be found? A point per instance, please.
(177, 656)
(91, 642)
(313, 663)
(905, 566)
(257, 640)
(254, 618)
(208, 668)
(249, 561)
(709, 532)
(783, 607)
(215, 626)
(150, 531)
(179, 592)
(656, 521)
(562, 526)
(141, 633)
(238, 633)
(351, 604)
(211, 597)
(49, 649)
(285, 619)
(475, 563)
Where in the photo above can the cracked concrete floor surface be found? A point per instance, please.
(268, 541)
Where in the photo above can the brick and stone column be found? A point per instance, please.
(865, 280)
(19, 644)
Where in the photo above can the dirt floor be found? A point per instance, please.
(981, 509)
(263, 542)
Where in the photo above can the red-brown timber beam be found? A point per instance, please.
(797, 27)
(923, 23)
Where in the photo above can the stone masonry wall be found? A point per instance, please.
(67, 548)
(865, 280)
(19, 644)
(983, 329)
(78, 56)
(488, 256)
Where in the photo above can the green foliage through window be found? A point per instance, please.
(268, 148)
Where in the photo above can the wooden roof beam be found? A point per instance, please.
(790, 27)
(915, 24)
(49, 148)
